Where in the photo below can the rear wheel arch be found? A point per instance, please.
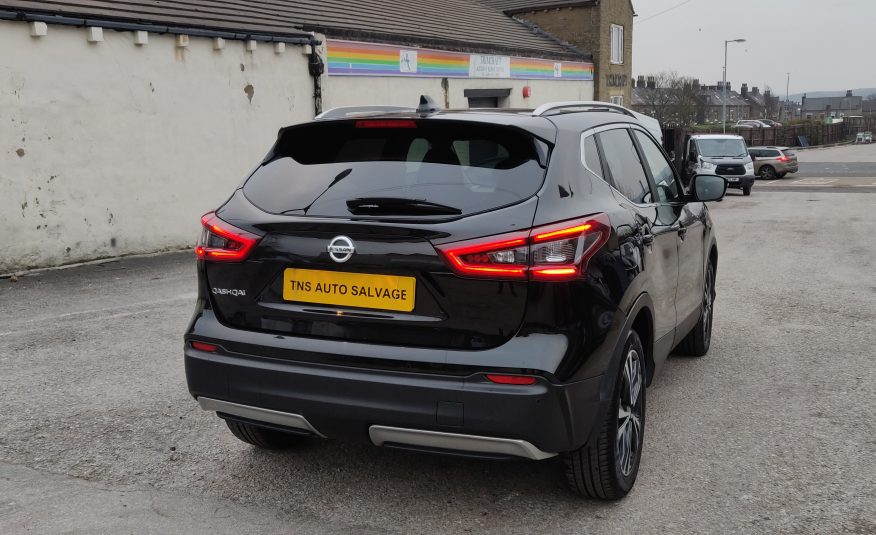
(713, 257)
(643, 324)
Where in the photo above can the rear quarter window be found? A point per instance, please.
(590, 153)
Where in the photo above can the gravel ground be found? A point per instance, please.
(773, 432)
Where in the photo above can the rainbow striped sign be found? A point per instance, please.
(350, 58)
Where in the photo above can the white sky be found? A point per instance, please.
(826, 45)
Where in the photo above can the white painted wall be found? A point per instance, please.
(112, 148)
(402, 91)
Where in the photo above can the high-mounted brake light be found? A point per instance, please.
(222, 242)
(556, 252)
(386, 123)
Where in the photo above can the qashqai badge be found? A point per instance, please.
(341, 249)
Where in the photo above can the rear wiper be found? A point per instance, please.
(398, 206)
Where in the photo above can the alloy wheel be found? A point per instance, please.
(629, 430)
(708, 303)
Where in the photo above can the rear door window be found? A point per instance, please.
(625, 166)
(473, 167)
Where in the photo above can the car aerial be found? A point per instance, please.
(721, 154)
(499, 285)
(773, 162)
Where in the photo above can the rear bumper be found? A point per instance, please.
(450, 414)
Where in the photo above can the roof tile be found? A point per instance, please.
(460, 24)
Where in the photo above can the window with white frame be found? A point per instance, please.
(617, 44)
(618, 99)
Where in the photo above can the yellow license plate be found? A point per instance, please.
(384, 292)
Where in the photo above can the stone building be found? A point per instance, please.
(823, 107)
(764, 105)
(604, 28)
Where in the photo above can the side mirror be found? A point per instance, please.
(707, 188)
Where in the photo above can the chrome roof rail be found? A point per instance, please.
(351, 111)
(583, 104)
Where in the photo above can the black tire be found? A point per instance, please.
(599, 469)
(697, 342)
(260, 437)
(768, 172)
(746, 190)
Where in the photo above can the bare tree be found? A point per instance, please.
(674, 101)
(686, 101)
(771, 103)
(658, 100)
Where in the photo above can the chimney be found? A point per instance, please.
(804, 100)
(652, 82)
(755, 90)
(744, 90)
(849, 94)
(640, 81)
(696, 82)
(767, 94)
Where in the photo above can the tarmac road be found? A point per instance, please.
(846, 168)
(773, 432)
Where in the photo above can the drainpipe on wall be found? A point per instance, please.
(316, 67)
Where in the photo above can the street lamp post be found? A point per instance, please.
(724, 87)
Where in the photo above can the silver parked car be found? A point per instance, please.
(751, 123)
(773, 162)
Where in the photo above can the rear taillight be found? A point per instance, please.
(221, 242)
(783, 158)
(556, 252)
(203, 346)
(511, 379)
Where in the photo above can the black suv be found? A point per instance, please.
(486, 284)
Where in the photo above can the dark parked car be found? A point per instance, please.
(484, 284)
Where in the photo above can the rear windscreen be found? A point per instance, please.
(470, 167)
